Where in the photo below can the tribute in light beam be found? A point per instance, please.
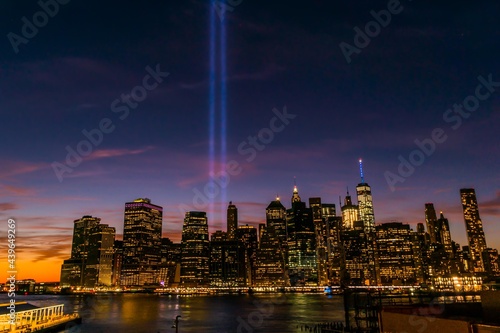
(223, 115)
(211, 97)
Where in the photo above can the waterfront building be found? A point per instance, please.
(334, 250)
(227, 267)
(247, 238)
(98, 269)
(350, 213)
(270, 270)
(141, 243)
(491, 262)
(276, 217)
(301, 255)
(431, 223)
(355, 256)
(474, 229)
(365, 203)
(91, 259)
(195, 260)
(232, 221)
(395, 254)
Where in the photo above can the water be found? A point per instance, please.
(137, 313)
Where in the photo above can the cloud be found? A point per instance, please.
(10, 190)
(107, 153)
(491, 207)
(10, 168)
(6, 206)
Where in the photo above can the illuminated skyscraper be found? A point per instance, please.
(365, 202)
(195, 250)
(302, 259)
(321, 231)
(474, 229)
(445, 235)
(276, 217)
(99, 266)
(327, 230)
(91, 259)
(350, 213)
(270, 270)
(366, 214)
(117, 262)
(227, 266)
(431, 222)
(247, 238)
(355, 258)
(141, 243)
(232, 221)
(395, 244)
(81, 232)
(335, 252)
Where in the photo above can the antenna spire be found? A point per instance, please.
(361, 170)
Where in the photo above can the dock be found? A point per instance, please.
(31, 318)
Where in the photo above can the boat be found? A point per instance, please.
(23, 317)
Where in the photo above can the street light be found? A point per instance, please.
(176, 324)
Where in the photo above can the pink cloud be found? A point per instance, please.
(7, 206)
(14, 168)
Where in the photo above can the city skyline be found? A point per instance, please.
(100, 107)
(297, 247)
(295, 196)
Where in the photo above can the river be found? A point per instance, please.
(145, 313)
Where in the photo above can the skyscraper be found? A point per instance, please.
(232, 221)
(81, 232)
(365, 202)
(270, 270)
(276, 217)
(350, 213)
(431, 222)
(73, 269)
(366, 214)
(91, 261)
(141, 243)
(474, 229)
(395, 254)
(195, 250)
(335, 265)
(99, 265)
(445, 235)
(247, 238)
(320, 229)
(227, 266)
(302, 262)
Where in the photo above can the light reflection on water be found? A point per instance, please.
(137, 313)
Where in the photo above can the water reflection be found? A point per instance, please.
(139, 313)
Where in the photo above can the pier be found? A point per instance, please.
(30, 318)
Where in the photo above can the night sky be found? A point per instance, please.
(398, 87)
